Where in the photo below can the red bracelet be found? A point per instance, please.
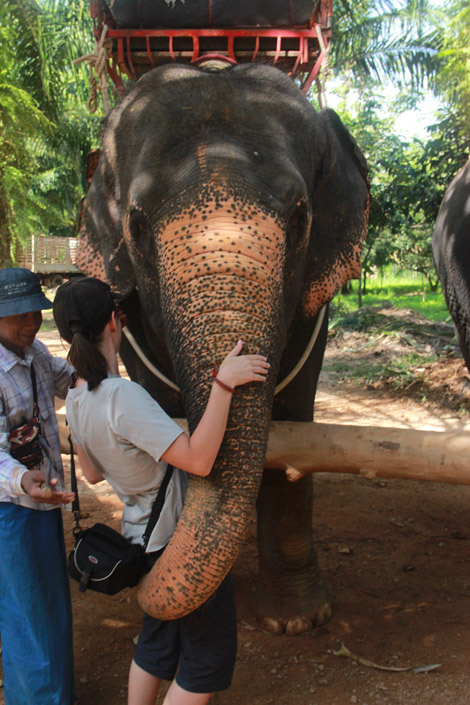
(224, 386)
(220, 383)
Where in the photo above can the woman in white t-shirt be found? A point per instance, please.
(124, 436)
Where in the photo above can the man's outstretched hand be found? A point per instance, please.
(34, 484)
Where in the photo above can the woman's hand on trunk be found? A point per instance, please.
(197, 453)
(239, 369)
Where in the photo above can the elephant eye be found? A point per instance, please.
(139, 232)
(297, 225)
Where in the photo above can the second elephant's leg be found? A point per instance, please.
(292, 594)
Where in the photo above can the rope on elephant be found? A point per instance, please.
(323, 73)
(97, 64)
(293, 373)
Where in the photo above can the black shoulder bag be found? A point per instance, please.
(103, 560)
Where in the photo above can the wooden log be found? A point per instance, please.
(369, 451)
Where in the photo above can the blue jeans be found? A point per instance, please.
(35, 608)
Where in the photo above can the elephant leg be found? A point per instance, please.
(292, 594)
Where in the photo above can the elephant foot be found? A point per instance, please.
(298, 625)
(293, 597)
(292, 612)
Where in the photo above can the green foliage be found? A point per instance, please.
(399, 331)
(404, 290)
(405, 371)
(20, 122)
(408, 178)
(384, 40)
(400, 374)
(453, 80)
(413, 45)
(46, 130)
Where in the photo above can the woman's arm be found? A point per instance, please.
(197, 453)
(90, 472)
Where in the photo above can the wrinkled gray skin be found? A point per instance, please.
(451, 252)
(223, 207)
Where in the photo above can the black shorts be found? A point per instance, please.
(200, 648)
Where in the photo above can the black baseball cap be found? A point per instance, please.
(82, 304)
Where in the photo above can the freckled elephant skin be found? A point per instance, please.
(225, 207)
(451, 251)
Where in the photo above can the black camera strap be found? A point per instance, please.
(35, 391)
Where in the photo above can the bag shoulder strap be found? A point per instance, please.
(157, 505)
(73, 483)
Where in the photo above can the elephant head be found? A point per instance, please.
(223, 207)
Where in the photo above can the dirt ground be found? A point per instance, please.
(396, 554)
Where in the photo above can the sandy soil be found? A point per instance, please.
(396, 554)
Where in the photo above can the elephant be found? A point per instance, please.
(451, 253)
(225, 207)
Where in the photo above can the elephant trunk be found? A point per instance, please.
(220, 281)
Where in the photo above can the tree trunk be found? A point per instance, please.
(5, 235)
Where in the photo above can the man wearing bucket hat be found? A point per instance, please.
(35, 608)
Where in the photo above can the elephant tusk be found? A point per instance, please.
(147, 362)
(151, 367)
(305, 355)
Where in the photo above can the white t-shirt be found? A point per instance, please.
(124, 433)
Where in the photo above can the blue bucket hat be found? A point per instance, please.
(20, 292)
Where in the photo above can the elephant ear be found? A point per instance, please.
(340, 205)
(102, 252)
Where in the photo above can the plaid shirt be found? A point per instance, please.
(16, 407)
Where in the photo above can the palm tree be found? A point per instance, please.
(20, 122)
(453, 81)
(42, 87)
(384, 40)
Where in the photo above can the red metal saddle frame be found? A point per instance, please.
(300, 51)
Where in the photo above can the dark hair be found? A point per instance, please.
(82, 309)
(87, 359)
